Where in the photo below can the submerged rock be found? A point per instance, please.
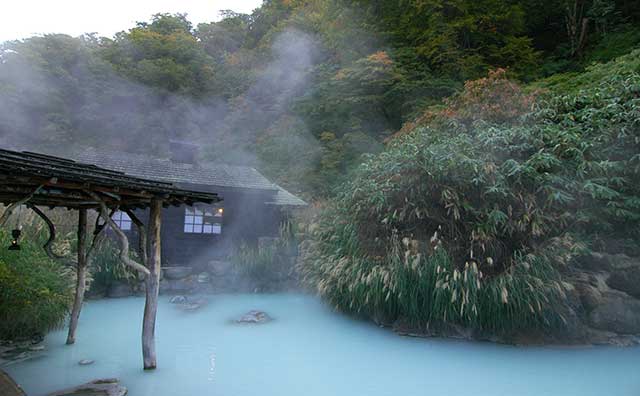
(18, 351)
(101, 387)
(86, 362)
(254, 317)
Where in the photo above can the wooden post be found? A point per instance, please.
(81, 275)
(152, 283)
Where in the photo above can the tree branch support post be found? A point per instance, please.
(152, 284)
(9, 209)
(81, 276)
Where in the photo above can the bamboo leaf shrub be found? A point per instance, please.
(35, 292)
(470, 220)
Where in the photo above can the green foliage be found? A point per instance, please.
(462, 38)
(614, 44)
(164, 55)
(506, 195)
(431, 291)
(259, 263)
(35, 292)
(228, 85)
(106, 266)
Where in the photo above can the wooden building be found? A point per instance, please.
(251, 207)
(37, 180)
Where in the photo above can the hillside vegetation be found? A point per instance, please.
(299, 88)
(470, 216)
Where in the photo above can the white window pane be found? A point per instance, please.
(189, 219)
(188, 228)
(207, 229)
(208, 212)
(217, 228)
(197, 228)
(199, 211)
(189, 211)
(125, 216)
(198, 220)
(125, 226)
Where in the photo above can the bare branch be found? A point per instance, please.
(124, 241)
(99, 235)
(13, 206)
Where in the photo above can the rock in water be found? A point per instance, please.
(203, 277)
(15, 352)
(101, 387)
(85, 362)
(176, 273)
(178, 300)
(8, 386)
(254, 317)
(188, 304)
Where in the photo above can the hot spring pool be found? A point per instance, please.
(309, 350)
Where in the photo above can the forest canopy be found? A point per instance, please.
(300, 88)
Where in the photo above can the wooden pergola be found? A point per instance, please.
(38, 180)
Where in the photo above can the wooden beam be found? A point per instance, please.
(48, 246)
(81, 276)
(122, 237)
(57, 183)
(7, 212)
(142, 237)
(152, 286)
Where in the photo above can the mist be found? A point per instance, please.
(83, 101)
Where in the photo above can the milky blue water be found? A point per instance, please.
(309, 350)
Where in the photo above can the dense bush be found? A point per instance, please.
(487, 210)
(36, 293)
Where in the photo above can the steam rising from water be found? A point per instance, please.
(57, 94)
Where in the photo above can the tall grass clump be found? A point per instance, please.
(471, 214)
(36, 292)
(253, 262)
(259, 263)
(107, 268)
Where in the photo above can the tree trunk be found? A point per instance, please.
(152, 286)
(81, 276)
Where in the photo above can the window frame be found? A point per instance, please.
(122, 220)
(202, 220)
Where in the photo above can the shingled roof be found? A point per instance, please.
(183, 174)
(61, 182)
